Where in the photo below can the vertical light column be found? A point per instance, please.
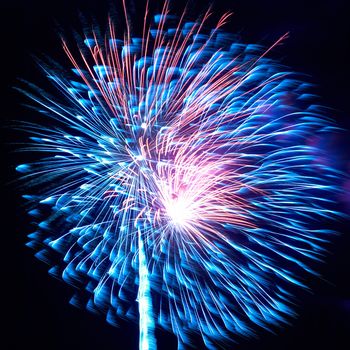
(147, 340)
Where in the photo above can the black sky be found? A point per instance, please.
(37, 311)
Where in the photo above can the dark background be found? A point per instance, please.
(37, 311)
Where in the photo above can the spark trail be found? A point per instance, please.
(182, 181)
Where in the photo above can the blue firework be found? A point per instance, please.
(179, 181)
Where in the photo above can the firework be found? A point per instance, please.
(178, 181)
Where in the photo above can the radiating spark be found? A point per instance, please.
(177, 165)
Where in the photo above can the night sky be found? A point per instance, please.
(38, 314)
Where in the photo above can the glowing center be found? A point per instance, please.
(179, 211)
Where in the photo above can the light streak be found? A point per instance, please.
(178, 166)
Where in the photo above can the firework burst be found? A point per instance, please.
(181, 188)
